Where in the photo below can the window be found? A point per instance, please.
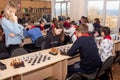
(62, 8)
(59, 0)
(57, 9)
(107, 10)
(95, 10)
(112, 11)
(68, 9)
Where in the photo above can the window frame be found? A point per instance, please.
(61, 2)
(104, 11)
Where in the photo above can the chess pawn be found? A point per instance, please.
(118, 38)
(99, 41)
(115, 37)
(68, 48)
(15, 60)
(61, 51)
(16, 64)
(22, 64)
(49, 58)
(19, 61)
(66, 51)
(12, 63)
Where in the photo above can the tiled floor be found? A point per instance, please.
(116, 72)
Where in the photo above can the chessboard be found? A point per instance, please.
(36, 58)
(115, 37)
(64, 49)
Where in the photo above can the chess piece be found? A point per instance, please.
(53, 51)
(44, 59)
(49, 58)
(40, 58)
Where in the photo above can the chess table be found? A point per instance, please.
(38, 66)
(42, 65)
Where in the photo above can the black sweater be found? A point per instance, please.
(51, 40)
(88, 51)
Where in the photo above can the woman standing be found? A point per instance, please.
(13, 31)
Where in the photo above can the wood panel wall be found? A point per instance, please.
(3, 4)
(35, 4)
(28, 3)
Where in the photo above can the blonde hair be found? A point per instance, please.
(11, 6)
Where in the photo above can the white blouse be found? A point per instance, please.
(105, 49)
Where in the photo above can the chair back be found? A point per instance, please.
(39, 41)
(117, 57)
(3, 48)
(100, 71)
(43, 45)
(18, 51)
(106, 65)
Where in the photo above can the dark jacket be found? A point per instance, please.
(51, 40)
(88, 51)
(3, 51)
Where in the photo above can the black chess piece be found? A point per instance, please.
(34, 60)
(30, 60)
(40, 58)
(118, 38)
(115, 37)
(44, 59)
(49, 58)
(22, 64)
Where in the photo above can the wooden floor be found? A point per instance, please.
(116, 72)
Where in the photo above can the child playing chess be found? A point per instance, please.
(106, 45)
(85, 46)
(105, 50)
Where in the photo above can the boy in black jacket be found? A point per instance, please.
(87, 48)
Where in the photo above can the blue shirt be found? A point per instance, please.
(33, 33)
(12, 27)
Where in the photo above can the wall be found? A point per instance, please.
(3, 4)
(35, 4)
(33, 7)
(77, 9)
(28, 3)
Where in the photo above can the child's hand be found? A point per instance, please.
(15, 18)
(96, 34)
(12, 35)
